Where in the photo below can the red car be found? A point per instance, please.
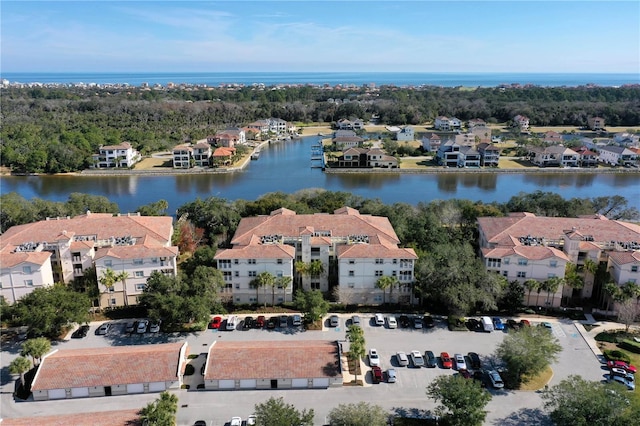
(215, 322)
(525, 323)
(376, 374)
(446, 360)
(260, 321)
(621, 364)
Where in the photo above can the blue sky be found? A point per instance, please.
(278, 36)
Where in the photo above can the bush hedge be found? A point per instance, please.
(630, 345)
(616, 355)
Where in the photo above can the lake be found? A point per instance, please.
(286, 167)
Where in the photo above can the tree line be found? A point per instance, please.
(54, 130)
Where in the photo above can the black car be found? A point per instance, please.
(273, 322)
(430, 359)
(404, 321)
(248, 323)
(474, 324)
(513, 324)
(428, 321)
(80, 332)
(474, 361)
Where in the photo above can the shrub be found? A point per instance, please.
(193, 356)
(630, 345)
(456, 323)
(616, 355)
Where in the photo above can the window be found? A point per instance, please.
(279, 274)
(226, 275)
(112, 289)
(522, 274)
(352, 273)
(377, 298)
(395, 261)
(379, 261)
(238, 299)
(140, 287)
(493, 263)
(378, 273)
(26, 269)
(253, 274)
(505, 261)
(228, 286)
(315, 251)
(251, 261)
(139, 274)
(154, 260)
(632, 280)
(522, 262)
(224, 263)
(505, 273)
(352, 262)
(279, 261)
(553, 263)
(634, 268)
(108, 263)
(28, 283)
(137, 261)
(394, 273)
(237, 285)
(236, 274)
(315, 286)
(251, 299)
(112, 302)
(236, 261)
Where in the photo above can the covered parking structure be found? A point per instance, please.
(272, 365)
(118, 370)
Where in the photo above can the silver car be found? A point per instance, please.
(391, 376)
(355, 320)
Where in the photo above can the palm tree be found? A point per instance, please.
(551, 286)
(36, 348)
(531, 285)
(386, 282)
(572, 278)
(302, 270)
(316, 268)
(266, 279)
(108, 279)
(610, 290)
(20, 365)
(355, 336)
(283, 283)
(255, 283)
(122, 277)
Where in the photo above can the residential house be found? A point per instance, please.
(468, 157)
(344, 142)
(277, 126)
(357, 249)
(202, 153)
(431, 142)
(447, 124)
(466, 139)
(617, 155)
(448, 154)
(378, 158)
(595, 123)
(477, 122)
(406, 134)
(344, 124)
(522, 122)
(121, 156)
(182, 156)
(344, 133)
(552, 138)
(524, 246)
(587, 158)
(61, 249)
(626, 139)
(489, 155)
(553, 156)
(366, 157)
(481, 134)
(223, 156)
(260, 126)
(229, 138)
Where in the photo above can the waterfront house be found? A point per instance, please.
(465, 139)
(223, 156)
(595, 123)
(468, 157)
(202, 153)
(431, 142)
(345, 142)
(553, 156)
(378, 158)
(617, 156)
(121, 156)
(447, 124)
(489, 155)
(524, 246)
(41, 253)
(260, 126)
(448, 154)
(366, 158)
(182, 156)
(358, 249)
(552, 138)
(344, 124)
(587, 158)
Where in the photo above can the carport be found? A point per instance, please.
(272, 365)
(120, 370)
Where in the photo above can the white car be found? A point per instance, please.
(235, 421)
(155, 326)
(496, 380)
(374, 358)
(460, 362)
(142, 326)
(402, 359)
(251, 420)
(392, 322)
(417, 359)
(379, 319)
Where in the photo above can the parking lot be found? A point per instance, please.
(406, 396)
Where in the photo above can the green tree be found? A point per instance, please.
(511, 299)
(161, 412)
(527, 352)
(551, 286)
(108, 279)
(45, 311)
(611, 290)
(275, 412)
(312, 304)
(20, 365)
(36, 348)
(159, 208)
(357, 345)
(264, 280)
(531, 285)
(283, 282)
(578, 402)
(462, 401)
(358, 414)
(386, 282)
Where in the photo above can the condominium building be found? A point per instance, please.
(121, 156)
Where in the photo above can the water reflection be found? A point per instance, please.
(578, 180)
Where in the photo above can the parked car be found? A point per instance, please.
(142, 326)
(392, 375)
(404, 321)
(498, 324)
(513, 324)
(391, 322)
(496, 380)
(465, 373)
(232, 323)
(248, 323)
(622, 373)
(525, 323)
(154, 327)
(235, 421)
(131, 326)
(417, 323)
(374, 358)
(376, 374)
(621, 364)
(402, 359)
(80, 332)
(272, 322)
(355, 320)
(430, 359)
(103, 329)
(630, 385)
(296, 320)
(474, 324)
(429, 321)
(546, 325)
(334, 321)
(445, 359)
(260, 321)
(215, 322)
(379, 319)
(461, 364)
(474, 360)
(252, 420)
(416, 359)
(284, 321)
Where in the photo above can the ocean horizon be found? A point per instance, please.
(452, 79)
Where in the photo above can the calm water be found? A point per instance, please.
(286, 167)
(333, 78)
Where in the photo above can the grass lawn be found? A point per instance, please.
(539, 381)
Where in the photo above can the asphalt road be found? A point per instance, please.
(407, 396)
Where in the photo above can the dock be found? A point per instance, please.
(317, 157)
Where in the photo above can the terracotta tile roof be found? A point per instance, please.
(97, 418)
(272, 360)
(136, 252)
(123, 145)
(527, 252)
(224, 152)
(182, 148)
(374, 251)
(115, 365)
(9, 260)
(624, 257)
(265, 251)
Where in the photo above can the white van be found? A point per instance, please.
(487, 324)
(232, 322)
